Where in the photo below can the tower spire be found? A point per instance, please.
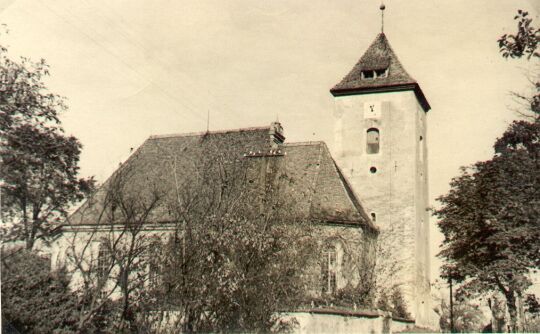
(382, 8)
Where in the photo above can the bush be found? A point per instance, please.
(36, 300)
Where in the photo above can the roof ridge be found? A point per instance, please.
(305, 143)
(202, 133)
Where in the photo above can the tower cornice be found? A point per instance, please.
(414, 86)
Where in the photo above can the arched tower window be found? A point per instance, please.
(329, 269)
(372, 141)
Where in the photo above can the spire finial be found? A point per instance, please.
(382, 8)
(208, 121)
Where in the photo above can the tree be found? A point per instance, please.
(489, 220)
(524, 42)
(532, 314)
(228, 256)
(237, 255)
(392, 300)
(38, 300)
(115, 275)
(490, 216)
(467, 317)
(39, 162)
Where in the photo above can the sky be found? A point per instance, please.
(132, 68)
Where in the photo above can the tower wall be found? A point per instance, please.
(397, 192)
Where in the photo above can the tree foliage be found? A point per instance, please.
(490, 217)
(393, 301)
(468, 318)
(39, 162)
(118, 268)
(36, 300)
(237, 255)
(225, 256)
(531, 314)
(524, 43)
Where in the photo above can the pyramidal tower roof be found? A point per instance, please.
(379, 70)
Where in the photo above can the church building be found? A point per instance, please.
(374, 185)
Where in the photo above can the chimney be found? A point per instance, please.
(276, 135)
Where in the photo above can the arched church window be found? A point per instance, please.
(154, 258)
(329, 269)
(104, 260)
(372, 140)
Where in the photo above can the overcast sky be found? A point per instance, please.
(133, 68)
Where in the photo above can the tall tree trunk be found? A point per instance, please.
(512, 310)
(126, 316)
(29, 244)
(27, 228)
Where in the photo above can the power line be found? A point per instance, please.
(125, 35)
(106, 49)
(159, 61)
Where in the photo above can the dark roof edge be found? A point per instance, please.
(386, 88)
(202, 133)
(122, 165)
(303, 143)
(170, 225)
(352, 196)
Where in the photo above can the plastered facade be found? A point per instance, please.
(393, 183)
(355, 253)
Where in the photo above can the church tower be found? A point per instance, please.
(380, 146)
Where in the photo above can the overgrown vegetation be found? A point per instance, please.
(468, 317)
(38, 300)
(228, 257)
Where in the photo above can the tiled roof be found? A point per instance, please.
(304, 174)
(379, 56)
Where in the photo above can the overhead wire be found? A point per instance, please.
(126, 36)
(164, 65)
(131, 67)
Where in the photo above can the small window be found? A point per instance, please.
(373, 170)
(421, 138)
(372, 140)
(373, 217)
(381, 73)
(368, 74)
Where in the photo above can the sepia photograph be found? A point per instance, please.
(235, 166)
